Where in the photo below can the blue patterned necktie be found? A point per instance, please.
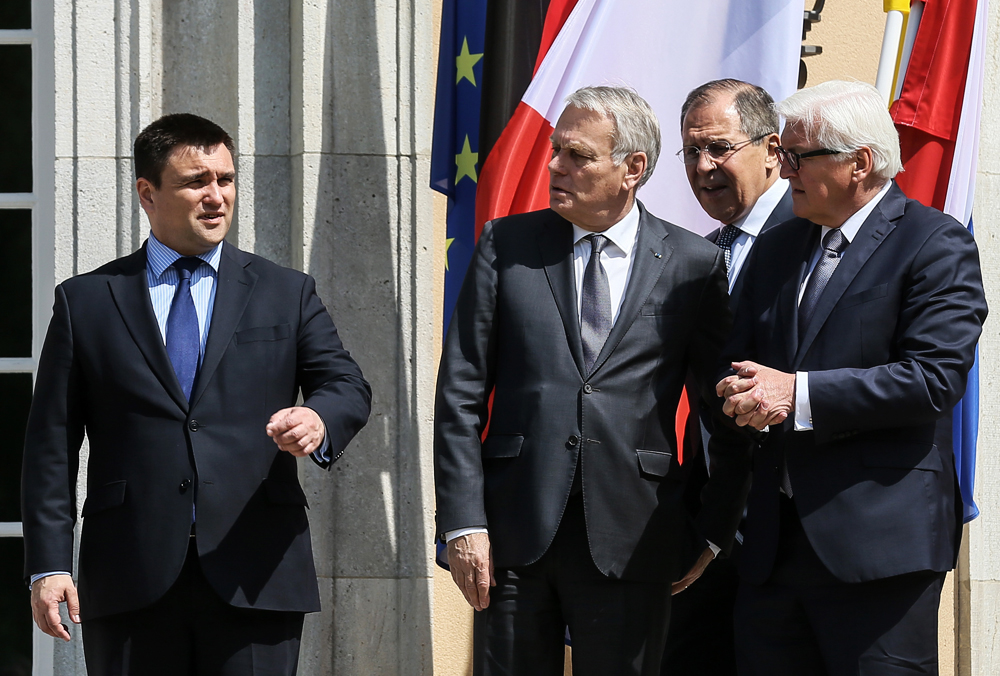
(725, 242)
(183, 337)
(595, 303)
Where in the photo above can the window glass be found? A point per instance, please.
(15, 117)
(15, 611)
(15, 400)
(15, 14)
(15, 283)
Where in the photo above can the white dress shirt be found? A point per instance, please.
(850, 228)
(750, 226)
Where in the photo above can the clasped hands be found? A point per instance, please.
(757, 395)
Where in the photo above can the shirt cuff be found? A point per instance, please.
(715, 549)
(459, 532)
(803, 410)
(322, 454)
(38, 576)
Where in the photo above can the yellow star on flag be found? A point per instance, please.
(464, 63)
(447, 245)
(466, 162)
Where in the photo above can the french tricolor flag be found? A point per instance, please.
(937, 115)
(662, 49)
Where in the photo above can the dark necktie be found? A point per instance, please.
(833, 243)
(725, 242)
(183, 337)
(595, 303)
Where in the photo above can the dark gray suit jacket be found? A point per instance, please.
(105, 371)
(516, 333)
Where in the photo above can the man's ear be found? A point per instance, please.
(864, 164)
(635, 167)
(145, 191)
(771, 142)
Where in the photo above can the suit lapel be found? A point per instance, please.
(788, 300)
(131, 295)
(235, 286)
(649, 257)
(555, 242)
(869, 237)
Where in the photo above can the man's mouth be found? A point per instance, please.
(211, 217)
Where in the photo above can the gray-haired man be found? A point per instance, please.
(583, 320)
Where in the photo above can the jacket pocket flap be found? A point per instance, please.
(656, 463)
(904, 457)
(502, 446)
(865, 296)
(279, 332)
(285, 493)
(107, 496)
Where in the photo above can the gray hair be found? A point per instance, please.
(846, 116)
(636, 127)
(753, 104)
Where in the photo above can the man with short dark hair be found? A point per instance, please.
(854, 337)
(583, 320)
(729, 132)
(182, 363)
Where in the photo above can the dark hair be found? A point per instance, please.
(154, 144)
(754, 105)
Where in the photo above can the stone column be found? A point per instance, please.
(979, 578)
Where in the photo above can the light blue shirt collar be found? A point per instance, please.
(159, 256)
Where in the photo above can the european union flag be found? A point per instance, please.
(455, 153)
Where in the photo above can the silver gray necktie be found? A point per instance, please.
(595, 303)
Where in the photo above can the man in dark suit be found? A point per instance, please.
(182, 364)
(854, 336)
(729, 129)
(583, 321)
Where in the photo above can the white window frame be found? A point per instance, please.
(41, 202)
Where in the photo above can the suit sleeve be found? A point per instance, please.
(52, 449)
(465, 381)
(940, 320)
(724, 496)
(331, 381)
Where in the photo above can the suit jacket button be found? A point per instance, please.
(186, 484)
(193, 425)
(572, 441)
(587, 389)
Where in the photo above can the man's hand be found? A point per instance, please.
(471, 561)
(298, 430)
(757, 395)
(696, 570)
(46, 595)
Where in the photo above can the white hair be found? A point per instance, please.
(846, 116)
(636, 127)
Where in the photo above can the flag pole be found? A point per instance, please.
(912, 24)
(895, 10)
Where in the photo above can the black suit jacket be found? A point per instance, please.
(888, 352)
(104, 371)
(516, 331)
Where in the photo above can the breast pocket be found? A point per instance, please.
(263, 333)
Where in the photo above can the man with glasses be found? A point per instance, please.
(854, 336)
(730, 134)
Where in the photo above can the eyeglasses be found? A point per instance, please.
(717, 150)
(794, 160)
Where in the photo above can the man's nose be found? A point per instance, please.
(705, 162)
(555, 164)
(213, 193)
(786, 170)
